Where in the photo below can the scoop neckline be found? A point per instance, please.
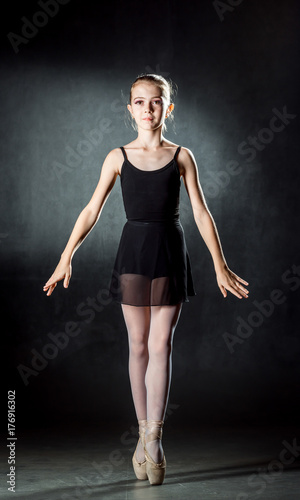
(149, 171)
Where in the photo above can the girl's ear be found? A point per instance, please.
(169, 110)
(129, 108)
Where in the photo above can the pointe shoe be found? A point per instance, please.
(140, 467)
(155, 471)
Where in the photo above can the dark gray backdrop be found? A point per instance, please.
(66, 72)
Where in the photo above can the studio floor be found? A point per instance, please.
(203, 462)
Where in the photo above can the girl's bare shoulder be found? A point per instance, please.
(186, 160)
(186, 156)
(114, 159)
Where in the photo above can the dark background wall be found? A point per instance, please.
(64, 87)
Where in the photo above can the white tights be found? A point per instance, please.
(150, 336)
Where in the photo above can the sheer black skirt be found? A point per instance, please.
(152, 265)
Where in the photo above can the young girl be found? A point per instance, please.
(152, 274)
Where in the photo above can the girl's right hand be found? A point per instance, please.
(63, 271)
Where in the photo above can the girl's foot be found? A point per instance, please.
(155, 458)
(139, 452)
(139, 459)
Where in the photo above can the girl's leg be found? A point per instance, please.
(137, 320)
(158, 375)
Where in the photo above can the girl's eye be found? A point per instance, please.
(138, 102)
(157, 102)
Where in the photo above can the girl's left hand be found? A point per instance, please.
(228, 280)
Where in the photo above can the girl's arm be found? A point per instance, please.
(86, 220)
(227, 280)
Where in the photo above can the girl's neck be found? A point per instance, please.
(150, 139)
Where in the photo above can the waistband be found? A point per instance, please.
(170, 222)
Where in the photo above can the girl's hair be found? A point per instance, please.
(167, 87)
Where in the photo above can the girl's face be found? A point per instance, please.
(148, 106)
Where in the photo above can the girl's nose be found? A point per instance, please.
(148, 107)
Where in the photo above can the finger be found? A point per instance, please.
(51, 288)
(223, 291)
(239, 288)
(49, 283)
(47, 288)
(240, 291)
(242, 288)
(66, 281)
(50, 280)
(241, 280)
(54, 279)
(234, 291)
